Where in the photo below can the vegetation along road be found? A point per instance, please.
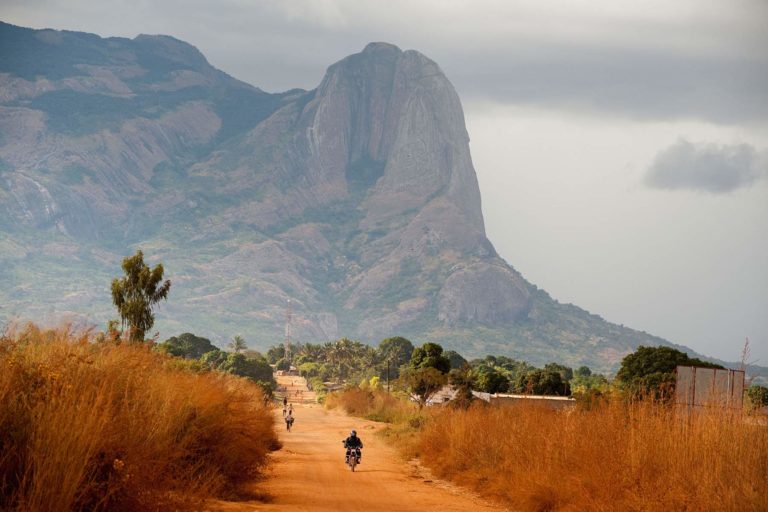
(308, 473)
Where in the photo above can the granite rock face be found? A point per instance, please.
(356, 201)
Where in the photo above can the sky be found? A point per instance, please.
(621, 147)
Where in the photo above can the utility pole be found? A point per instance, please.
(387, 374)
(287, 340)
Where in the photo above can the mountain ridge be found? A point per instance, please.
(357, 201)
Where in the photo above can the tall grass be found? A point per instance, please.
(614, 456)
(87, 426)
(373, 404)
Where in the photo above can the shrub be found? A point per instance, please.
(187, 345)
(757, 396)
(373, 404)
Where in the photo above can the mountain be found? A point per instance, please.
(356, 202)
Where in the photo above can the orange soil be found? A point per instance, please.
(309, 474)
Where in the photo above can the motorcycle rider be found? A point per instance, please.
(353, 443)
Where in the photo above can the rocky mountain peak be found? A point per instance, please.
(173, 49)
(356, 201)
(395, 123)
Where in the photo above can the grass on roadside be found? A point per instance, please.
(612, 455)
(104, 426)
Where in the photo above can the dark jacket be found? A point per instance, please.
(353, 442)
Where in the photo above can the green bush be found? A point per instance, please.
(187, 345)
(757, 397)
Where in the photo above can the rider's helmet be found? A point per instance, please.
(353, 433)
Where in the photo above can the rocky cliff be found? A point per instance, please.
(356, 201)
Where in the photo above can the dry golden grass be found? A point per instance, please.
(87, 426)
(373, 404)
(609, 456)
(615, 456)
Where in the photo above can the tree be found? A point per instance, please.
(257, 370)
(310, 352)
(310, 370)
(348, 357)
(430, 355)
(283, 365)
(427, 371)
(583, 371)
(397, 350)
(238, 344)
(253, 354)
(456, 360)
(565, 372)
(490, 380)
(392, 354)
(137, 293)
(582, 383)
(187, 345)
(651, 370)
(424, 382)
(513, 367)
(542, 382)
(275, 353)
(214, 359)
(462, 381)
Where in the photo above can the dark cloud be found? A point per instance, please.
(646, 84)
(694, 59)
(706, 167)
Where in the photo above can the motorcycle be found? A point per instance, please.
(353, 458)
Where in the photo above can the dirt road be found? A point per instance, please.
(309, 474)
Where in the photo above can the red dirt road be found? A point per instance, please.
(308, 473)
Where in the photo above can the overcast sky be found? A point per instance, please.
(621, 147)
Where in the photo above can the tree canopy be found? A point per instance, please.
(542, 382)
(456, 359)
(187, 345)
(652, 369)
(489, 379)
(566, 372)
(256, 368)
(424, 382)
(238, 344)
(137, 293)
(430, 355)
(397, 350)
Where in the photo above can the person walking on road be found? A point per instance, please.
(289, 420)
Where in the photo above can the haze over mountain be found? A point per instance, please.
(356, 201)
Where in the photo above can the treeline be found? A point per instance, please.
(396, 362)
(202, 355)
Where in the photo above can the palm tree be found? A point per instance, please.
(237, 344)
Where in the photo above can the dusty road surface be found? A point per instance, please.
(308, 473)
